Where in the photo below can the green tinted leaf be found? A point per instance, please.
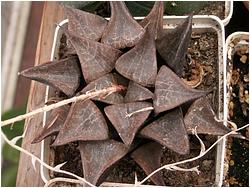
(10, 153)
(9, 176)
(17, 129)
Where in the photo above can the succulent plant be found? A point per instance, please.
(122, 51)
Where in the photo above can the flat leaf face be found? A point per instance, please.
(136, 92)
(63, 75)
(84, 122)
(98, 156)
(54, 124)
(105, 81)
(126, 125)
(173, 45)
(96, 59)
(171, 91)
(201, 115)
(154, 20)
(148, 157)
(169, 130)
(122, 30)
(139, 64)
(85, 24)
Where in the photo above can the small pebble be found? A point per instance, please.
(243, 59)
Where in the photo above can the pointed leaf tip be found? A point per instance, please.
(99, 156)
(169, 130)
(85, 24)
(64, 75)
(54, 123)
(173, 45)
(96, 59)
(140, 64)
(136, 92)
(84, 122)
(201, 115)
(122, 30)
(171, 91)
(148, 156)
(125, 125)
(154, 20)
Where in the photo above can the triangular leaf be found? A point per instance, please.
(169, 130)
(122, 30)
(136, 92)
(84, 122)
(126, 125)
(154, 20)
(63, 75)
(139, 64)
(85, 24)
(103, 82)
(54, 123)
(173, 45)
(148, 156)
(201, 115)
(171, 91)
(96, 59)
(98, 156)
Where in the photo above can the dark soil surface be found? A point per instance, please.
(238, 149)
(203, 52)
(216, 8)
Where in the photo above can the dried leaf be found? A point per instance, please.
(103, 82)
(171, 91)
(14, 140)
(127, 126)
(140, 64)
(201, 115)
(59, 166)
(96, 59)
(148, 157)
(136, 92)
(154, 20)
(33, 162)
(84, 122)
(169, 130)
(85, 24)
(173, 45)
(122, 30)
(98, 156)
(64, 75)
(54, 123)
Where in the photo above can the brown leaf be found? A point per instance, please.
(171, 91)
(169, 130)
(139, 64)
(148, 156)
(136, 92)
(84, 122)
(96, 59)
(201, 114)
(154, 20)
(103, 82)
(122, 30)
(85, 24)
(99, 156)
(126, 125)
(54, 123)
(173, 45)
(63, 75)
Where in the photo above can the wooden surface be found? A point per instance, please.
(27, 176)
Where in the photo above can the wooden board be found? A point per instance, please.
(27, 176)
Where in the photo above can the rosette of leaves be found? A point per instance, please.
(123, 51)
